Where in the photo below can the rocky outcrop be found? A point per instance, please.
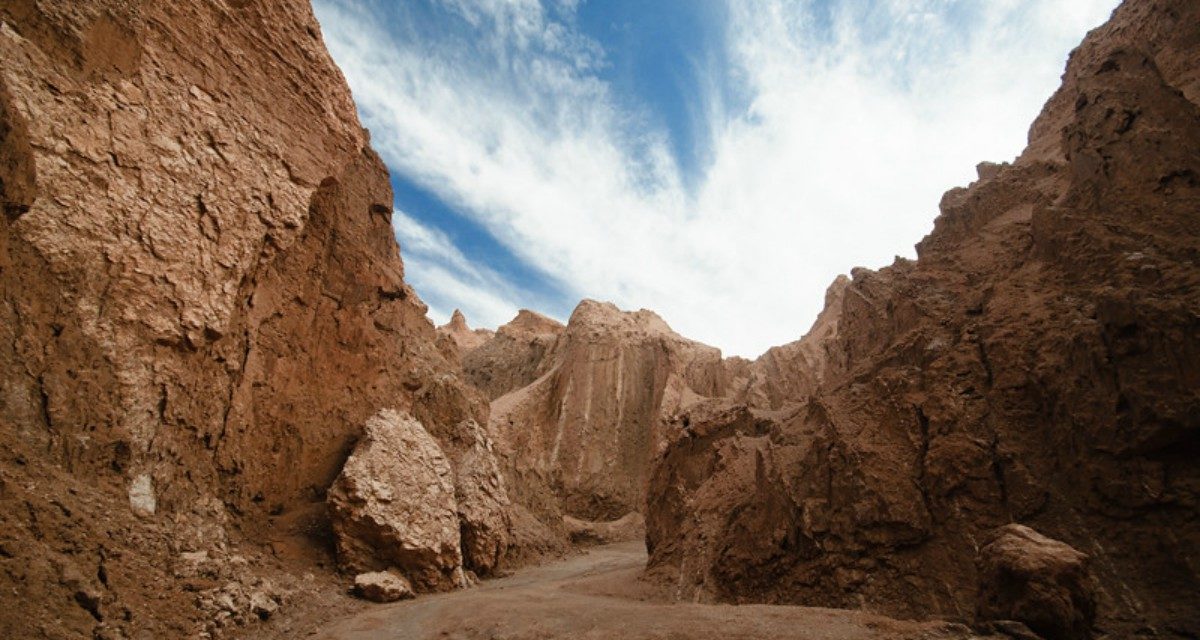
(464, 337)
(1041, 583)
(519, 353)
(481, 493)
(1038, 364)
(794, 370)
(579, 440)
(393, 506)
(201, 304)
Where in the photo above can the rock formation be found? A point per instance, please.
(1038, 364)
(382, 586)
(464, 337)
(519, 353)
(631, 526)
(203, 316)
(793, 370)
(1041, 583)
(202, 304)
(579, 439)
(393, 506)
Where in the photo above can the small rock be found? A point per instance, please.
(382, 586)
(141, 496)
(263, 605)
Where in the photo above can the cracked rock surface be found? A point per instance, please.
(201, 304)
(1039, 363)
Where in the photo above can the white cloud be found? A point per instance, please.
(434, 264)
(850, 137)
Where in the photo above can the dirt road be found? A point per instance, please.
(598, 596)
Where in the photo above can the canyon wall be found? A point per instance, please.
(580, 411)
(1039, 363)
(203, 303)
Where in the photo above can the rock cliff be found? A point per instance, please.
(1039, 363)
(202, 304)
(577, 438)
(519, 353)
(213, 375)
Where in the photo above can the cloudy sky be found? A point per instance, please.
(719, 162)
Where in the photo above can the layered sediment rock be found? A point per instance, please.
(202, 304)
(1039, 363)
(579, 439)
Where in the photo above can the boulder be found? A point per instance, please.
(1041, 582)
(394, 505)
(382, 586)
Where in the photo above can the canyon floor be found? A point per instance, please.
(599, 595)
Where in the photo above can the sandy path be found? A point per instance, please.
(597, 595)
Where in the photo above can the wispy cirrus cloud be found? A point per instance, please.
(823, 136)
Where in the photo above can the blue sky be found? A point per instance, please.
(718, 161)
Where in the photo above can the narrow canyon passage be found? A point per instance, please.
(598, 595)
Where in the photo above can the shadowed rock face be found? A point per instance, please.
(1040, 363)
(1041, 583)
(201, 302)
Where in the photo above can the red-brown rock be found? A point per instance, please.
(579, 439)
(201, 304)
(1039, 363)
(1042, 583)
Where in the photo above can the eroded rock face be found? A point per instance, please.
(631, 526)
(201, 302)
(580, 438)
(1037, 364)
(1042, 583)
(519, 353)
(464, 337)
(794, 370)
(394, 505)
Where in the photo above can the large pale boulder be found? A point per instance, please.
(393, 506)
(382, 586)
